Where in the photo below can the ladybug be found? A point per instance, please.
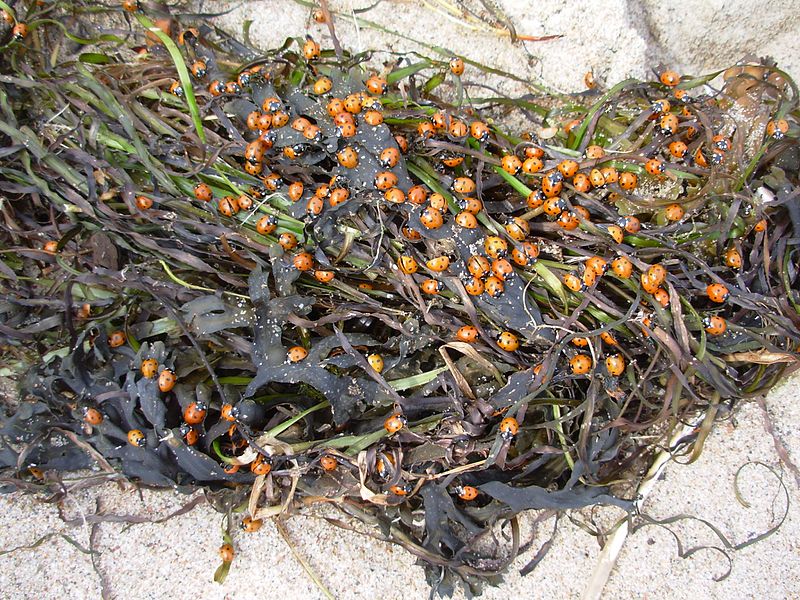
(654, 166)
(322, 85)
(552, 184)
(319, 15)
(508, 341)
(338, 196)
(303, 261)
(226, 553)
(267, 224)
(670, 78)
(721, 143)
(608, 338)
(407, 264)
(166, 380)
(678, 149)
(467, 492)
(51, 247)
(525, 254)
(517, 228)
(662, 297)
(260, 466)
(296, 353)
(656, 274)
(287, 240)
(597, 264)
(594, 152)
(474, 206)
(535, 199)
(190, 435)
(411, 234)
(674, 212)
(431, 286)
(311, 49)
(760, 226)
(417, 194)
(568, 221)
(130, 5)
(401, 489)
(385, 180)
(295, 191)
(458, 129)
(581, 183)
(253, 168)
(502, 269)
(573, 282)
(373, 117)
(533, 151)
(467, 333)
(631, 224)
(463, 185)
(313, 133)
(511, 164)
(478, 265)
(733, 259)
(271, 104)
(195, 413)
(648, 285)
(495, 247)
(216, 88)
(438, 264)
(661, 105)
(580, 342)
(777, 128)
(426, 130)
(715, 325)
(228, 206)
(347, 157)
(394, 195)
(580, 364)
(532, 165)
(615, 365)
(622, 267)
(717, 292)
(324, 276)
(596, 178)
(251, 525)
(628, 181)
(474, 286)
(589, 278)
(92, 416)
(568, 168)
(394, 423)
(610, 174)
(232, 87)
(376, 362)
(376, 85)
(230, 469)
(479, 130)
(328, 463)
(401, 142)
(117, 339)
(149, 368)
(19, 31)
(467, 220)
(279, 119)
(244, 202)
(509, 428)
(389, 157)
(456, 66)
(202, 191)
(143, 202)
(226, 412)
(668, 124)
(431, 218)
(438, 202)
(353, 104)
(136, 438)
(494, 286)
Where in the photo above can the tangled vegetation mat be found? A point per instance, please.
(292, 278)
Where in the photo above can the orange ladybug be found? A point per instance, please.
(511, 164)
(654, 166)
(267, 224)
(580, 364)
(296, 353)
(508, 341)
(717, 292)
(431, 218)
(394, 423)
(715, 325)
(573, 282)
(260, 466)
(311, 50)
(407, 264)
(251, 525)
(166, 380)
(376, 362)
(509, 427)
(149, 368)
(226, 553)
(463, 185)
(674, 212)
(777, 128)
(670, 78)
(143, 202)
(438, 264)
(389, 157)
(328, 463)
(117, 339)
(628, 181)
(495, 247)
(431, 286)
(474, 286)
(287, 240)
(136, 438)
(195, 413)
(456, 66)
(92, 416)
(502, 269)
(678, 149)
(467, 333)
(733, 258)
(467, 492)
(303, 261)
(615, 365)
(202, 191)
(494, 286)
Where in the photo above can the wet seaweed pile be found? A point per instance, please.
(294, 279)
